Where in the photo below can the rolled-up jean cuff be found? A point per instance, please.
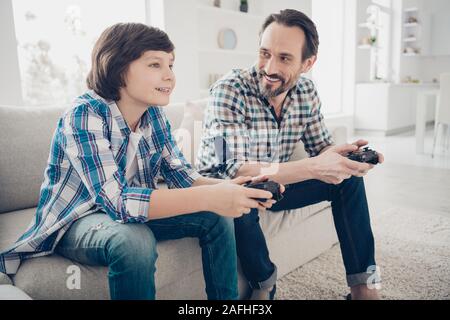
(366, 278)
(266, 284)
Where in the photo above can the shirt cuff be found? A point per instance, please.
(137, 202)
(232, 168)
(192, 175)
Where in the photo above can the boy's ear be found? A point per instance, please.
(308, 64)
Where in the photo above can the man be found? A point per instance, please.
(261, 113)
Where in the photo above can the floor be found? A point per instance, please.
(401, 149)
(413, 190)
(407, 178)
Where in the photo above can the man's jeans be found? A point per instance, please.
(129, 250)
(351, 219)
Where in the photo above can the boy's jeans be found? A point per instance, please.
(129, 250)
(351, 219)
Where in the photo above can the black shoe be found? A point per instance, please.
(273, 292)
(348, 297)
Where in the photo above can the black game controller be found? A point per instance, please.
(365, 155)
(271, 186)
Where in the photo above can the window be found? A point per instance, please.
(55, 40)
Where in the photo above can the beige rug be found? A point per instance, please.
(412, 250)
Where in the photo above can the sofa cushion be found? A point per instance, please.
(13, 225)
(25, 136)
(188, 135)
(175, 114)
(8, 292)
(177, 260)
(275, 222)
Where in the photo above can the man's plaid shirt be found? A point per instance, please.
(238, 114)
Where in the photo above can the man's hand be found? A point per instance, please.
(333, 167)
(361, 143)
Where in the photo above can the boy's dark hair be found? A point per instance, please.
(116, 48)
(294, 18)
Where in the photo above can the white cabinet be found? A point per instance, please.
(388, 108)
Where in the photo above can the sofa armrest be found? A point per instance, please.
(8, 292)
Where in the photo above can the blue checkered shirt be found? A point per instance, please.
(86, 173)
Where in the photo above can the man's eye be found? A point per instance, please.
(265, 54)
(154, 65)
(171, 66)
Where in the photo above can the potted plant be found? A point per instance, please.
(244, 6)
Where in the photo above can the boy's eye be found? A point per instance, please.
(154, 65)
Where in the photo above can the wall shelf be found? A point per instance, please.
(369, 25)
(411, 55)
(367, 46)
(412, 24)
(224, 11)
(411, 33)
(411, 10)
(226, 52)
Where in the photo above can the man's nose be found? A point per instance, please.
(271, 67)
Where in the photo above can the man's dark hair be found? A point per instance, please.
(116, 48)
(294, 18)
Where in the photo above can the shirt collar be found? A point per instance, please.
(118, 117)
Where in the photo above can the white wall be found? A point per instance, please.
(178, 19)
(362, 56)
(271, 6)
(328, 71)
(433, 66)
(10, 87)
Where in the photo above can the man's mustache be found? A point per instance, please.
(273, 76)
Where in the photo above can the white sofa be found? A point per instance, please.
(294, 237)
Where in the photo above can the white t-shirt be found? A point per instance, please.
(131, 167)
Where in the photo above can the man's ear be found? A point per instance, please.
(308, 64)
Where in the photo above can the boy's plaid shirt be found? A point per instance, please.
(245, 120)
(86, 173)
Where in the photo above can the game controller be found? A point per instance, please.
(271, 186)
(365, 155)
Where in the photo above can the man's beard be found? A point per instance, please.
(266, 89)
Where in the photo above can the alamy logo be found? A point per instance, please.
(373, 281)
(74, 279)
